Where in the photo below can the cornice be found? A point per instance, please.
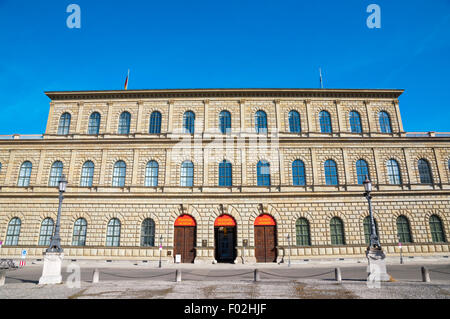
(318, 141)
(225, 93)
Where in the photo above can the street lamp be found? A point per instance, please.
(54, 255)
(55, 243)
(374, 241)
(374, 253)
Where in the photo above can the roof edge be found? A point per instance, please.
(205, 93)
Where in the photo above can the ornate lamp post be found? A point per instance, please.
(54, 255)
(374, 253)
(55, 243)
(374, 241)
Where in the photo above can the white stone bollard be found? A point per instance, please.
(51, 273)
(95, 276)
(337, 274)
(2, 277)
(178, 276)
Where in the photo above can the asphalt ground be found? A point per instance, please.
(439, 272)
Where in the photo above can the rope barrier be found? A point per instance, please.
(296, 277)
(440, 272)
(212, 276)
(123, 276)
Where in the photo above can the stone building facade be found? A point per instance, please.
(303, 169)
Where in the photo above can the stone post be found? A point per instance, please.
(51, 274)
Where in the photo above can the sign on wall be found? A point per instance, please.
(264, 220)
(185, 220)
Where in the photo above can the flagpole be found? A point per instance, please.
(321, 82)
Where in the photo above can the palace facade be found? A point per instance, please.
(226, 175)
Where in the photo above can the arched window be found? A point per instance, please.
(225, 173)
(302, 232)
(385, 122)
(113, 233)
(393, 172)
(87, 174)
(362, 169)
(189, 122)
(437, 229)
(298, 173)
(424, 172)
(225, 122)
(294, 122)
(124, 123)
(151, 174)
(325, 122)
(25, 174)
(46, 232)
(155, 123)
(403, 230)
(1, 168)
(187, 174)
(119, 174)
(263, 173)
(337, 231)
(13, 232)
(355, 122)
(79, 232)
(261, 122)
(55, 173)
(331, 175)
(148, 233)
(448, 164)
(64, 124)
(94, 123)
(367, 229)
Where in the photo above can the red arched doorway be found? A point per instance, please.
(225, 239)
(265, 239)
(185, 237)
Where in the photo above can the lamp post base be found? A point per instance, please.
(377, 265)
(51, 273)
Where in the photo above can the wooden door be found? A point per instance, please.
(265, 244)
(184, 243)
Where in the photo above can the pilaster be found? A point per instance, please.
(139, 126)
(170, 117)
(135, 167)
(309, 121)
(80, 117)
(109, 117)
(278, 114)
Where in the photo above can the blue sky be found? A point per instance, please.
(224, 44)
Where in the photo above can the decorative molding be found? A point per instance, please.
(222, 93)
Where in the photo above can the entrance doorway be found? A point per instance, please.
(265, 239)
(185, 237)
(225, 238)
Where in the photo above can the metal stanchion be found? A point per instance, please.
(257, 276)
(425, 275)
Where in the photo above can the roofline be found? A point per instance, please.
(236, 93)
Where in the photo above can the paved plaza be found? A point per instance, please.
(309, 280)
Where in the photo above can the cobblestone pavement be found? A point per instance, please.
(312, 281)
(269, 289)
